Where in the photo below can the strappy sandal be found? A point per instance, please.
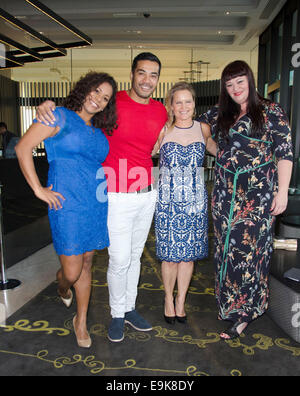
(231, 333)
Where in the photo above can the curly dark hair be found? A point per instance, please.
(107, 119)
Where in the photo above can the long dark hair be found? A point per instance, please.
(106, 119)
(229, 110)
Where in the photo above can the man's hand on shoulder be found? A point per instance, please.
(44, 112)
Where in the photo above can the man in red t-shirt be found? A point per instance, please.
(131, 196)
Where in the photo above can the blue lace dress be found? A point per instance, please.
(75, 155)
(181, 217)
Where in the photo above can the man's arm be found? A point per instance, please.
(44, 112)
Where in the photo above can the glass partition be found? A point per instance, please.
(279, 76)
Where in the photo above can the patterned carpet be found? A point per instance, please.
(39, 340)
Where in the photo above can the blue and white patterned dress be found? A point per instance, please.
(181, 220)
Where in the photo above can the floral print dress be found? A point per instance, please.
(245, 183)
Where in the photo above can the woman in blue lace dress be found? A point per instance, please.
(76, 191)
(181, 213)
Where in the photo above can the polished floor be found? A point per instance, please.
(38, 337)
(35, 273)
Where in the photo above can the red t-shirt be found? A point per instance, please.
(128, 166)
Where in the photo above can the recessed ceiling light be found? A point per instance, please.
(237, 13)
(125, 14)
(133, 31)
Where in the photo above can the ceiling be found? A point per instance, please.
(179, 32)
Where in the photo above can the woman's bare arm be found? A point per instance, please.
(158, 142)
(33, 137)
(211, 145)
(280, 201)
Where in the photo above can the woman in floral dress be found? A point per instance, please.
(252, 175)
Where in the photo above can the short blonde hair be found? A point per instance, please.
(180, 86)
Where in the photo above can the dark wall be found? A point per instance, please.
(279, 76)
(9, 108)
(207, 95)
(25, 221)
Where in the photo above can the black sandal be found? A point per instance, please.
(232, 332)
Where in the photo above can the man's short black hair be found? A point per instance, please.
(145, 56)
(2, 124)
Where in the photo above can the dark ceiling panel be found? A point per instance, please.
(23, 53)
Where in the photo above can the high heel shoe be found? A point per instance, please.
(67, 301)
(231, 333)
(180, 319)
(86, 343)
(169, 319)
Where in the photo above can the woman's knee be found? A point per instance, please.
(71, 268)
(71, 276)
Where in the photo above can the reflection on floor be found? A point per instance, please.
(35, 273)
(38, 339)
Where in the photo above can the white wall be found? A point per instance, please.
(118, 61)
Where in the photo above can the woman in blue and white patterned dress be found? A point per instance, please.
(181, 219)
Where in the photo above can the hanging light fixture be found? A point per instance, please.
(57, 18)
(22, 54)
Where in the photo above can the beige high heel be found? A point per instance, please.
(67, 301)
(86, 343)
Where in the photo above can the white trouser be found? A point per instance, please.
(129, 221)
